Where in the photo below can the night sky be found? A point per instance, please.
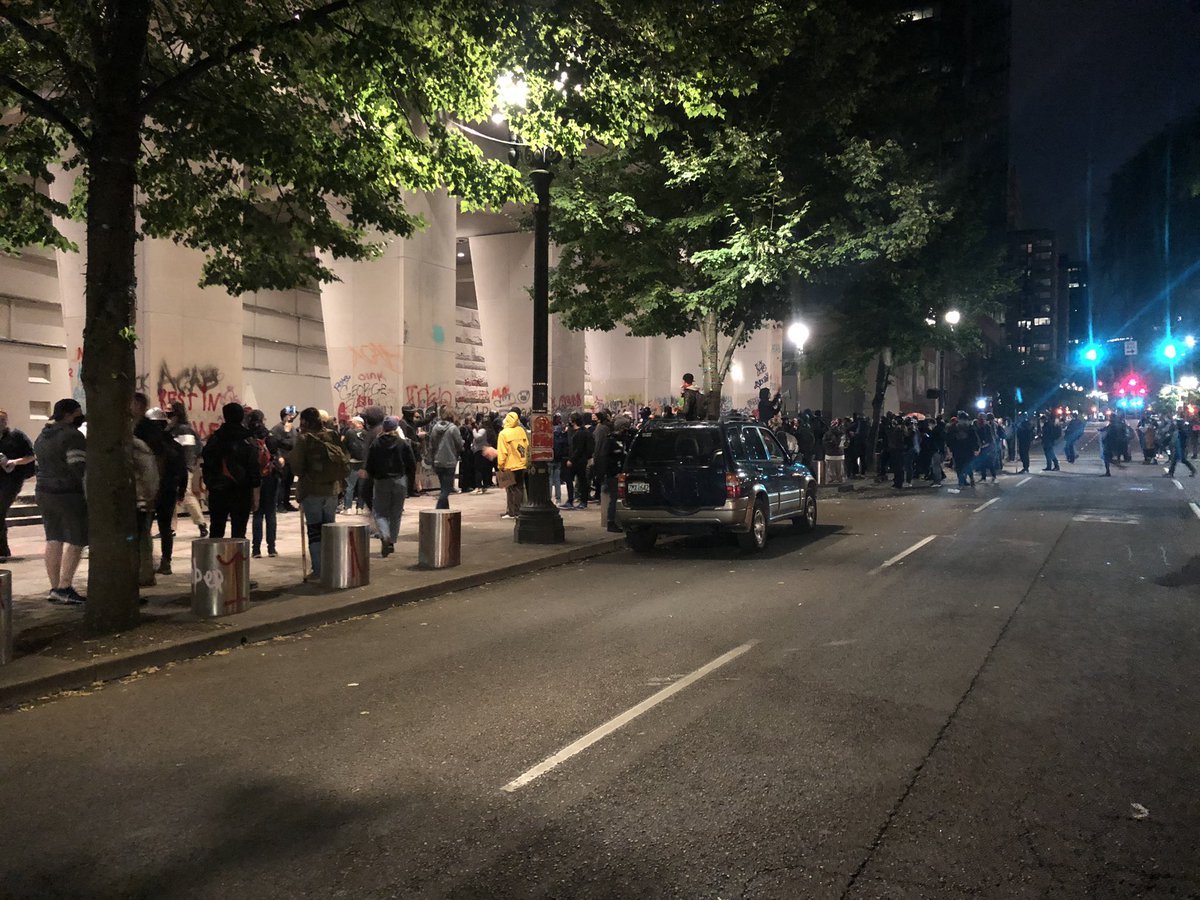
(1104, 74)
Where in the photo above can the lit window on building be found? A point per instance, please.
(916, 14)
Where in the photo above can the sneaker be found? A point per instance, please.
(164, 567)
(57, 595)
(272, 553)
(581, 506)
(311, 577)
(507, 516)
(203, 530)
(257, 554)
(72, 597)
(566, 506)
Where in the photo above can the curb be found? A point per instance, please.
(89, 673)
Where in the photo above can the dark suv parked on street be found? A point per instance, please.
(731, 475)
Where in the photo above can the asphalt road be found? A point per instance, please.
(1009, 710)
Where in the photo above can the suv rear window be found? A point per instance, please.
(688, 445)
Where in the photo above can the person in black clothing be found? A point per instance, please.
(963, 444)
(390, 464)
(610, 459)
(581, 445)
(768, 406)
(689, 407)
(265, 520)
(231, 474)
(172, 481)
(1051, 432)
(16, 464)
(1024, 431)
(285, 437)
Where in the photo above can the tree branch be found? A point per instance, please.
(53, 44)
(248, 43)
(727, 356)
(47, 110)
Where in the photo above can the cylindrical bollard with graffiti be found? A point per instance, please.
(439, 538)
(345, 556)
(6, 617)
(220, 576)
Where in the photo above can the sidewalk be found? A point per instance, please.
(53, 652)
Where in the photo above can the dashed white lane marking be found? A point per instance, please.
(984, 506)
(1025, 481)
(1177, 483)
(624, 718)
(913, 549)
(1195, 509)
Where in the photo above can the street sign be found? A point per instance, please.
(542, 445)
(1131, 348)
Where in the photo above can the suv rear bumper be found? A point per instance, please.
(734, 516)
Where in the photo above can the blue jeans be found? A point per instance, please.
(318, 511)
(348, 499)
(387, 506)
(1051, 456)
(445, 476)
(556, 480)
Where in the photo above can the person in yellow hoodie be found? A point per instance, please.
(512, 455)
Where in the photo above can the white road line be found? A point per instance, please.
(1195, 509)
(984, 506)
(624, 718)
(1025, 481)
(913, 549)
(1177, 483)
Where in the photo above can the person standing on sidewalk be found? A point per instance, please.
(189, 442)
(390, 463)
(561, 445)
(173, 478)
(445, 450)
(16, 464)
(612, 458)
(354, 443)
(512, 459)
(265, 514)
(580, 447)
(285, 436)
(61, 453)
(320, 466)
(231, 473)
(689, 399)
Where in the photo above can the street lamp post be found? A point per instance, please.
(952, 317)
(539, 521)
(798, 334)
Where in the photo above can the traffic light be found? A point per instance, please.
(1169, 350)
(1090, 354)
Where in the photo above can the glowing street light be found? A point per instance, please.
(798, 334)
(1190, 341)
(953, 317)
(1189, 382)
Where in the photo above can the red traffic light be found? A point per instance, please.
(1132, 381)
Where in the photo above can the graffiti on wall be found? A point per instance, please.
(356, 392)
(761, 378)
(423, 396)
(374, 356)
(202, 391)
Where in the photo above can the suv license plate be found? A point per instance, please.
(638, 487)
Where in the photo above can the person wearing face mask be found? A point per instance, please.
(61, 452)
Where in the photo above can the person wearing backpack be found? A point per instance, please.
(320, 466)
(390, 463)
(231, 474)
(270, 467)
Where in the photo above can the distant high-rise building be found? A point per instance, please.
(1032, 316)
(1073, 283)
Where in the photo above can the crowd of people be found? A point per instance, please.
(245, 473)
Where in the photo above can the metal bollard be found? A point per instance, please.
(6, 617)
(818, 470)
(345, 556)
(220, 576)
(439, 538)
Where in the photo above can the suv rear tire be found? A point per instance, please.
(641, 540)
(756, 538)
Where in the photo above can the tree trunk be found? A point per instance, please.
(883, 377)
(715, 362)
(108, 339)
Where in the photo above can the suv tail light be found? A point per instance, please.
(733, 486)
(621, 486)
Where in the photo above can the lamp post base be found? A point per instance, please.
(539, 521)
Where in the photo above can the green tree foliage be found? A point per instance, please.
(270, 135)
(701, 225)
